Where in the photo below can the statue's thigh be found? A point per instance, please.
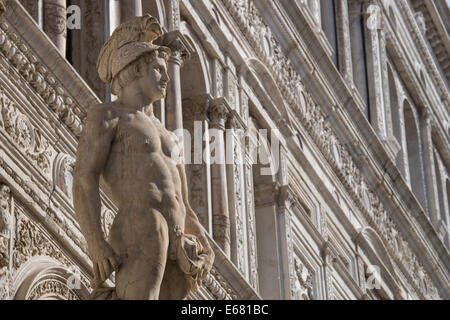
(144, 262)
(173, 286)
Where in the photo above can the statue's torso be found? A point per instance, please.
(140, 171)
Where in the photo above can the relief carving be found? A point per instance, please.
(28, 138)
(303, 282)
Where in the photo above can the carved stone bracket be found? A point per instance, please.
(196, 108)
(182, 50)
(218, 113)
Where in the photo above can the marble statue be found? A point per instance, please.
(156, 245)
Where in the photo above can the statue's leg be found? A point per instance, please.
(144, 255)
(174, 285)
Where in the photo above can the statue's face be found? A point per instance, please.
(153, 79)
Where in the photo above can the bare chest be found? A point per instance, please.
(140, 134)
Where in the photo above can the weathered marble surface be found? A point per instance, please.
(156, 245)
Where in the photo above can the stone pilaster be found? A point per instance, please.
(372, 27)
(328, 261)
(328, 14)
(343, 41)
(173, 14)
(197, 168)
(355, 10)
(430, 170)
(285, 201)
(55, 23)
(235, 142)
(5, 240)
(218, 114)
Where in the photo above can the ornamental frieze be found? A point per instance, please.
(41, 79)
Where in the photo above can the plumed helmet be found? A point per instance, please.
(137, 34)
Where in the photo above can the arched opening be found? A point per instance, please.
(44, 278)
(414, 153)
(195, 88)
(156, 9)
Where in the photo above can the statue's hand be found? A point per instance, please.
(105, 261)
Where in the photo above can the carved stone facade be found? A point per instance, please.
(351, 185)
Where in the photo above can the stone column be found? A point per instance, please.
(130, 9)
(374, 74)
(343, 41)
(430, 170)
(55, 19)
(357, 48)
(328, 261)
(181, 51)
(198, 171)
(218, 113)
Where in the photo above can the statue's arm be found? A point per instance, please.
(92, 154)
(192, 225)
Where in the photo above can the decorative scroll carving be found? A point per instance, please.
(251, 226)
(5, 229)
(320, 129)
(28, 138)
(303, 281)
(51, 288)
(40, 79)
(218, 287)
(30, 241)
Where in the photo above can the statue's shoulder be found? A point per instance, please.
(103, 112)
(102, 117)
